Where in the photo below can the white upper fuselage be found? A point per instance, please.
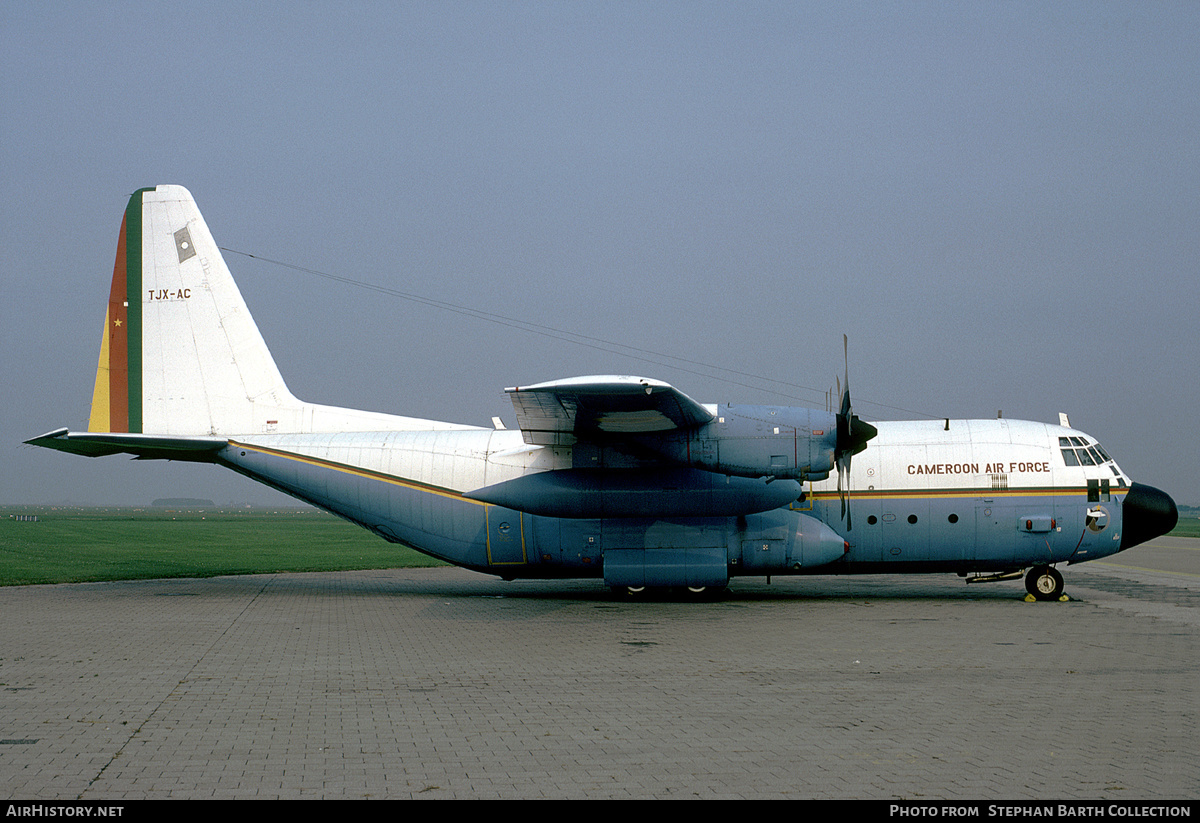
(961, 456)
(920, 455)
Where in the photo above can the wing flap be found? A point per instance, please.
(562, 412)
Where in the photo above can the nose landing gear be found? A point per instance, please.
(1044, 583)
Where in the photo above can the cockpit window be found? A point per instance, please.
(1076, 451)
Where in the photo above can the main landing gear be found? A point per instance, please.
(1044, 583)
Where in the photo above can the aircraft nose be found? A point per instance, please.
(1147, 512)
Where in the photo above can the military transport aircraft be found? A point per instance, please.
(615, 477)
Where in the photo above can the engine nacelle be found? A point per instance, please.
(756, 441)
(656, 493)
(804, 544)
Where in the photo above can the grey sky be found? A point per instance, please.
(998, 202)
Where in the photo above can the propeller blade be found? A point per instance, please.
(849, 524)
(846, 361)
(841, 491)
(852, 435)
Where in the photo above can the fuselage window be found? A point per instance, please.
(912, 518)
(953, 518)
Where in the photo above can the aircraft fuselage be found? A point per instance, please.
(960, 496)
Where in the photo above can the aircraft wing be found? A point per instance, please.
(562, 412)
(142, 446)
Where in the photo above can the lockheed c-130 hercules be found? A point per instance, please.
(615, 477)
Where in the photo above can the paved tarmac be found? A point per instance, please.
(441, 683)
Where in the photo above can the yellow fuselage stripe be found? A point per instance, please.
(369, 474)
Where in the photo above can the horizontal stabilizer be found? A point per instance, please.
(143, 446)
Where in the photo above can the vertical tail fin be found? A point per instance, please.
(180, 353)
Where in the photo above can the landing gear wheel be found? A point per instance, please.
(1044, 583)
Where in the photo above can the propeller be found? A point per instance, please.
(852, 436)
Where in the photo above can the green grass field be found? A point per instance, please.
(71, 545)
(1189, 526)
